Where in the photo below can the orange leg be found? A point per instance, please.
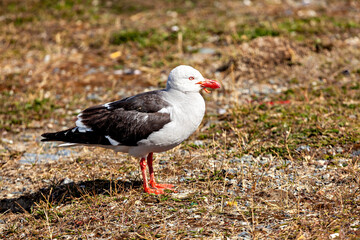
(146, 185)
(152, 176)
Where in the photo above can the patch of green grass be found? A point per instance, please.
(21, 20)
(45, 9)
(248, 33)
(299, 28)
(344, 23)
(148, 38)
(19, 113)
(124, 7)
(194, 34)
(312, 25)
(125, 36)
(157, 38)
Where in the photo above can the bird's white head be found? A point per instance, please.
(188, 79)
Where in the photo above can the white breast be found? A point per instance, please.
(186, 113)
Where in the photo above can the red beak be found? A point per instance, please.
(207, 83)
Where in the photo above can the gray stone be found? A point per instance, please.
(244, 235)
(247, 158)
(91, 71)
(118, 72)
(207, 51)
(356, 153)
(33, 158)
(235, 160)
(303, 148)
(65, 152)
(93, 96)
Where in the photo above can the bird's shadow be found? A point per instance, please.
(62, 193)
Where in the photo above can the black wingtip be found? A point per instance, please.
(47, 137)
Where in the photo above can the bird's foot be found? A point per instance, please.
(154, 191)
(164, 186)
(160, 186)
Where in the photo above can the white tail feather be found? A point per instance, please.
(68, 145)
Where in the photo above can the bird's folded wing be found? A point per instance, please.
(124, 122)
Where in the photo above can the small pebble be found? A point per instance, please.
(67, 181)
(93, 96)
(321, 162)
(326, 176)
(198, 143)
(343, 162)
(182, 195)
(175, 28)
(244, 235)
(91, 71)
(356, 153)
(56, 70)
(7, 141)
(17, 193)
(247, 2)
(119, 72)
(235, 160)
(303, 148)
(47, 58)
(339, 150)
(334, 235)
(247, 158)
(221, 111)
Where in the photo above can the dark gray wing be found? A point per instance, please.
(125, 122)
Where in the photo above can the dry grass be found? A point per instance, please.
(277, 155)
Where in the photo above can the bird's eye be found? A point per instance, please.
(191, 78)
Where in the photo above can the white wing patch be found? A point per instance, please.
(107, 105)
(80, 125)
(112, 141)
(164, 110)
